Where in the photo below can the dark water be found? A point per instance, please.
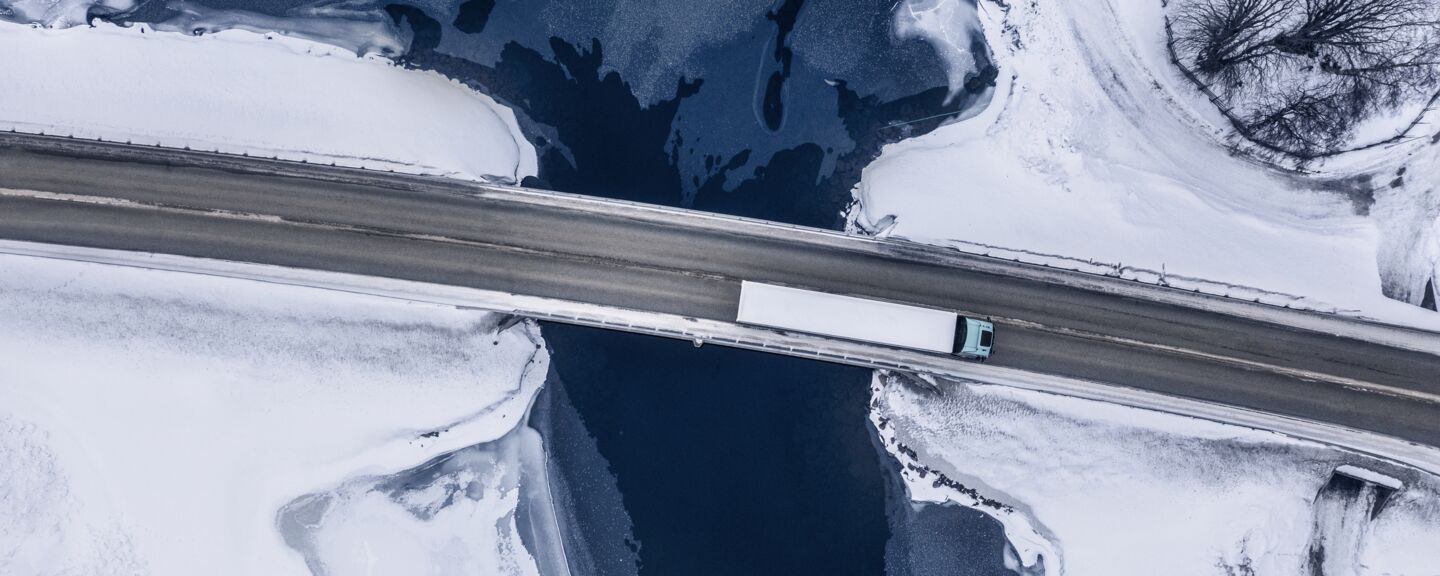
(671, 459)
(597, 532)
(936, 540)
(772, 116)
(730, 461)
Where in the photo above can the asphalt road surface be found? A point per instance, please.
(431, 230)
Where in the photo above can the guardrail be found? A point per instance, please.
(1259, 305)
(1387, 449)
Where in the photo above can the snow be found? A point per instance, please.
(1387, 124)
(1084, 487)
(461, 520)
(1407, 209)
(59, 13)
(846, 317)
(156, 422)
(244, 92)
(1408, 530)
(1093, 154)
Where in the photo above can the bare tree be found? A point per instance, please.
(1304, 120)
(1221, 36)
(1391, 43)
(1301, 74)
(1355, 29)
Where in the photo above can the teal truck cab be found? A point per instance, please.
(974, 338)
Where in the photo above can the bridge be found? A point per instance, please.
(677, 273)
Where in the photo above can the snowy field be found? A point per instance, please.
(1094, 154)
(246, 92)
(158, 422)
(1085, 488)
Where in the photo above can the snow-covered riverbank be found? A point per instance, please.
(1094, 154)
(1087, 488)
(172, 423)
(262, 94)
(158, 422)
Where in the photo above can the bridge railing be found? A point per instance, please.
(1160, 286)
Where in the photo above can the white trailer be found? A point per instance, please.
(862, 319)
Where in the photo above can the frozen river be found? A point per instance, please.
(713, 461)
(666, 459)
(737, 462)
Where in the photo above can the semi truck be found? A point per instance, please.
(864, 320)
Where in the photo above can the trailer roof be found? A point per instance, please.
(847, 317)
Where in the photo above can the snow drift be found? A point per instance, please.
(261, 94)
(1087, 488)
(157, 422)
